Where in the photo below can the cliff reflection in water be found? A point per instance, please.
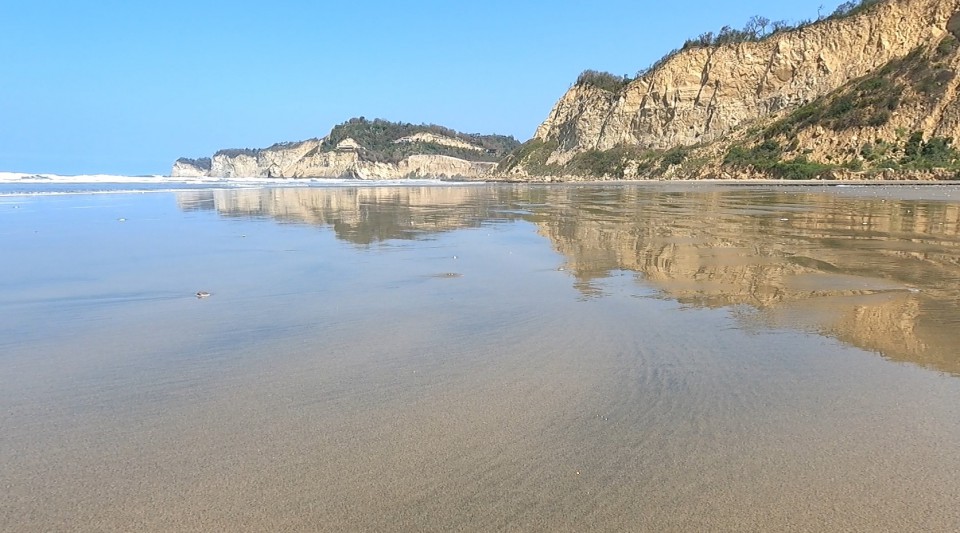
(869, 269)
(361, 215)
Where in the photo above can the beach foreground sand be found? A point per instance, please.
(490, 357)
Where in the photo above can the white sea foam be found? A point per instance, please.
(28, 178)
(108, 183)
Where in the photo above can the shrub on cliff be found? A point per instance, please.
(767, 158)
(602, 80)
(603, 163)
(849, 9)
(377, 138)
(947, 46)
(533, 155)
(800, 168)
(203, 163)
(937, 152)
(234, 152)
(869, 103)
(675, 156)
(762, 157)
(758, 28)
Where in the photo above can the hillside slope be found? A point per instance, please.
(876, 89)
(362, 149)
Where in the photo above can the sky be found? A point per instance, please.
(122, 87)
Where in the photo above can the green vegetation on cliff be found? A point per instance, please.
(871, 124)
(236, 152)
(768, 158)
(614, 163)
(863, 109)
(533, 154)
(917, 79)
(378, 140)
(202, 163)
(757, 28)
(602, 80)
(912, 154)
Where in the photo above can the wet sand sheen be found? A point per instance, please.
(354, 388)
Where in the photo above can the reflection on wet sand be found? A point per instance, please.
(359, 215)
(481, 358)
(878, 274)
(871, 270)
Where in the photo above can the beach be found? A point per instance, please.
(581, 357)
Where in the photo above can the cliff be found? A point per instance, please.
(361, 149)
(886, 72)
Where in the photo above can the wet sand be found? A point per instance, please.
(480, 358)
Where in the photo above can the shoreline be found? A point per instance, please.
(736, 182)
(13, 178)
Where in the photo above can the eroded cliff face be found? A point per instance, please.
(310, 159)
(185, 169)
(701, 95)
(424, 166)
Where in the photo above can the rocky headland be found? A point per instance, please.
(362, 149)
(868, 92)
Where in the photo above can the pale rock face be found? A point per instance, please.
(186, 170)
(334, 164)
(284, 160)
(423, 166)
(439, 165)
(348, 144)
(307, 160)
(241, 166)
(701, 94)
(438, 139)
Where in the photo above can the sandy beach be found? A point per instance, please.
(582, 357)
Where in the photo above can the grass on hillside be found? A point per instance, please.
(377, 139)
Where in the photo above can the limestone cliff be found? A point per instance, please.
(191, 167)
(362, 149)
(702, 100)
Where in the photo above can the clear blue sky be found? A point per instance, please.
(126, 87)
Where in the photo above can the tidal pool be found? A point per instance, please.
(481, 357)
